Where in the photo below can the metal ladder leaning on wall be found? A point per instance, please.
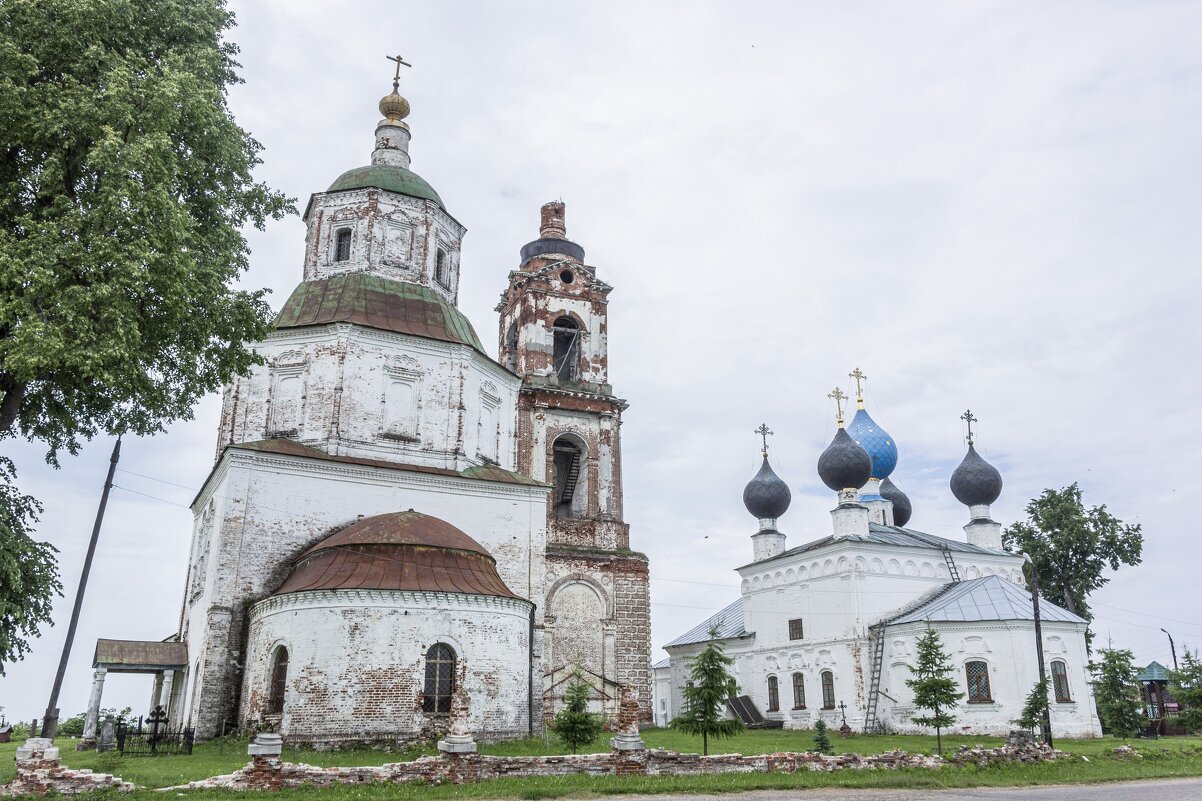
(878, 651)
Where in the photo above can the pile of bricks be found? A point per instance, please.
(39, 772)
(1029, 752)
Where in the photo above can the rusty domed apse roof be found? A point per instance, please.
(398, 551)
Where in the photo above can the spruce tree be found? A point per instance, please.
(1117, 693)
(705, 695)
(1031, 717)
(1185, 685)
(574, 724)
(934, 688)
(822, 740)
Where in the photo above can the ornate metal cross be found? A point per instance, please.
(839, 398)
(843, 709)
(858, 376)
(968, 418)
(396, 79)
(764, 432)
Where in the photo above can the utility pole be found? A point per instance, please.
(1047, 717)
(50, 720)
(1172, 647)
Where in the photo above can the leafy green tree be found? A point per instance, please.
(1031, 717)
(574, 724)
(28, 575)
(1185, 685)
(706, 693)
(1116, 692)
(1072, 546)
(124, 185)
(934, 688)
(822, 739)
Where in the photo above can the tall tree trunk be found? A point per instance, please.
(10, 406)
(1069, 603)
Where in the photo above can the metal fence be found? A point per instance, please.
(135, 740)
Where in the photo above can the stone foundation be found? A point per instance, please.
(39, 772)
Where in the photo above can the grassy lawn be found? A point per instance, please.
(1167, 758)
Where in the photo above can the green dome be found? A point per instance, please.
(390, 178)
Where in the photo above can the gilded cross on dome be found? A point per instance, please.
(396, 79)
(858, 376)
(839, 398)
(764, 432)
(968, 418)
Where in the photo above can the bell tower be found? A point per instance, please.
(553, 331)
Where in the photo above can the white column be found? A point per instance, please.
(168, 687)
(156, 691)
(89, 725)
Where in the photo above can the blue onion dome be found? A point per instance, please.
(902, 509)
(876, 440)
(844, 464)
(976, 482)
(766, 496)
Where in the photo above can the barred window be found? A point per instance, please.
(796, 631)
(799, 691)
(1060, 683)
(773, 695)
(279, 682)
(440, 679)
(440, 267)
(828, 690)
(342, 245)
(977, 674)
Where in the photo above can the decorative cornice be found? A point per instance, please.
(387, 599)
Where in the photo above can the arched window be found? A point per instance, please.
(773, 695)
(828, 690)
(440, 267)
(799, 691)
(1060, 683)
(440, 679)
(342, 245)
(570, 479)
(566, 360)
(977, 675)
(279, 682)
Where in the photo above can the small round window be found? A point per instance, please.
(567, 277)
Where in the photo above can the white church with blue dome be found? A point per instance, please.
(828, 629)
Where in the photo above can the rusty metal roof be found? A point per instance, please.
(288, 447)
(398, 551)
(138, 656)
(377, 302)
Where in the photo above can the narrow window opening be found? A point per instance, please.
(828, 690)
(440, 680)
(977, 675)
(796, 631)
(568, 463)
(440, 267)
(773, 695)
(342, 245)
(1060, 683)
(566, 359)
(279, 682)
(799, 691)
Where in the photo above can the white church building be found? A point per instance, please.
(396, 511)
(827, 629)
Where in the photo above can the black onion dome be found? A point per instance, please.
(901, 502)
(844, 464)
(766, 495)
(976, 481)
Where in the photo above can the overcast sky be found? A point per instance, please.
(985, 205)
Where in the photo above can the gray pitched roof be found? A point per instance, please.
(892, 535)
(989, 598)
(663, 663)
(729, 622)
